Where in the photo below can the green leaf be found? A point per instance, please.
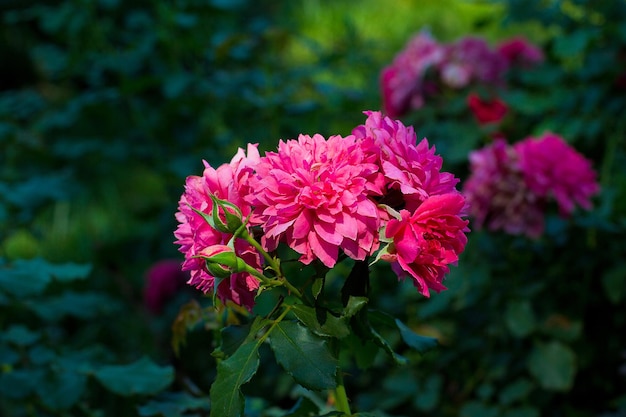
(173, 404)
(519, 318)
(142, 377)
(226, 397)
(362, 327)
(477, 409)
(331, 327)
(304, 355)
(304, 407)
(20, 335)
(420, 343)
(355, 304)
(614, 283)
(553, 365)
(515, 391)
(25, 278)
(19, 383)
(83, 305)
(62, 389)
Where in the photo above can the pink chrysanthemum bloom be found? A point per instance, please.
(518, 51)
(314, 194)
(498, 195)
(471, 59)
(552, 168)
(195, 235)
(412, 170)
(403, 82)
(427, 241)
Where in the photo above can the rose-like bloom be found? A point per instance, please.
(403, 82)
(476, 59)
(552, 168)
(162, 281)
(486, 111)
(518, 51)
(426, 242)
(498, 195)
(314, 194)
(227, 182)
(412, 170)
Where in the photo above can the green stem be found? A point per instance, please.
(341, 398)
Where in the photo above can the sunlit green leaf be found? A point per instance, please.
(331, 327)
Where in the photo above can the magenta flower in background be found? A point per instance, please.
(517, 51)
(403, 82)
(471, 59)
(497, 193)
(509, 186)
(412, 170)
(194, 234)
(314, 195)
(553, 169)
(162, 281)
(426, 242)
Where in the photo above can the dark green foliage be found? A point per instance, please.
(106, 106)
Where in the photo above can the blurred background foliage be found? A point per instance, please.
(107, 105)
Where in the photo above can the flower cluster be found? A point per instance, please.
(510, 185)
(376, 190)
(424, 67)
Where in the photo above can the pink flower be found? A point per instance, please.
(486, 111)
(162, 281)
(426, 242)
(314, 194)
(403, 83)
(476, 61)
(518, 51)
(412, 171)
(498, 195)
(227, 182)
(552, 168)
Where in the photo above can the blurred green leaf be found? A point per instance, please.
(60, 389)
(614, 283)
(20, 335)
(142, 377)
(553, 364)
(515, 391)
(476, 409)
(420, 343)
(304, 355)
(524, 411)
(173, 404)
(19, 383)
(520, 318)
(82, 305)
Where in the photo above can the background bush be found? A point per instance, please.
(106, 106)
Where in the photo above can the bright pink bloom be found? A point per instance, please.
(552, 168)
(412, 170)
(426, 242)
(162, 281)
(486, 111)
(194, 234)
(314, 194)
(403, 83)
(498, 195)
(518, 51)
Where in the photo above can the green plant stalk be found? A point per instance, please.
(341, 397)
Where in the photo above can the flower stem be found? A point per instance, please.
(341, 398)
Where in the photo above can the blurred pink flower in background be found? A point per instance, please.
(552, 168)
(194, 234)
(518, 51)
(162, 281)
(403, 82)
(509, 186)
(497, 194)
(470, 59)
